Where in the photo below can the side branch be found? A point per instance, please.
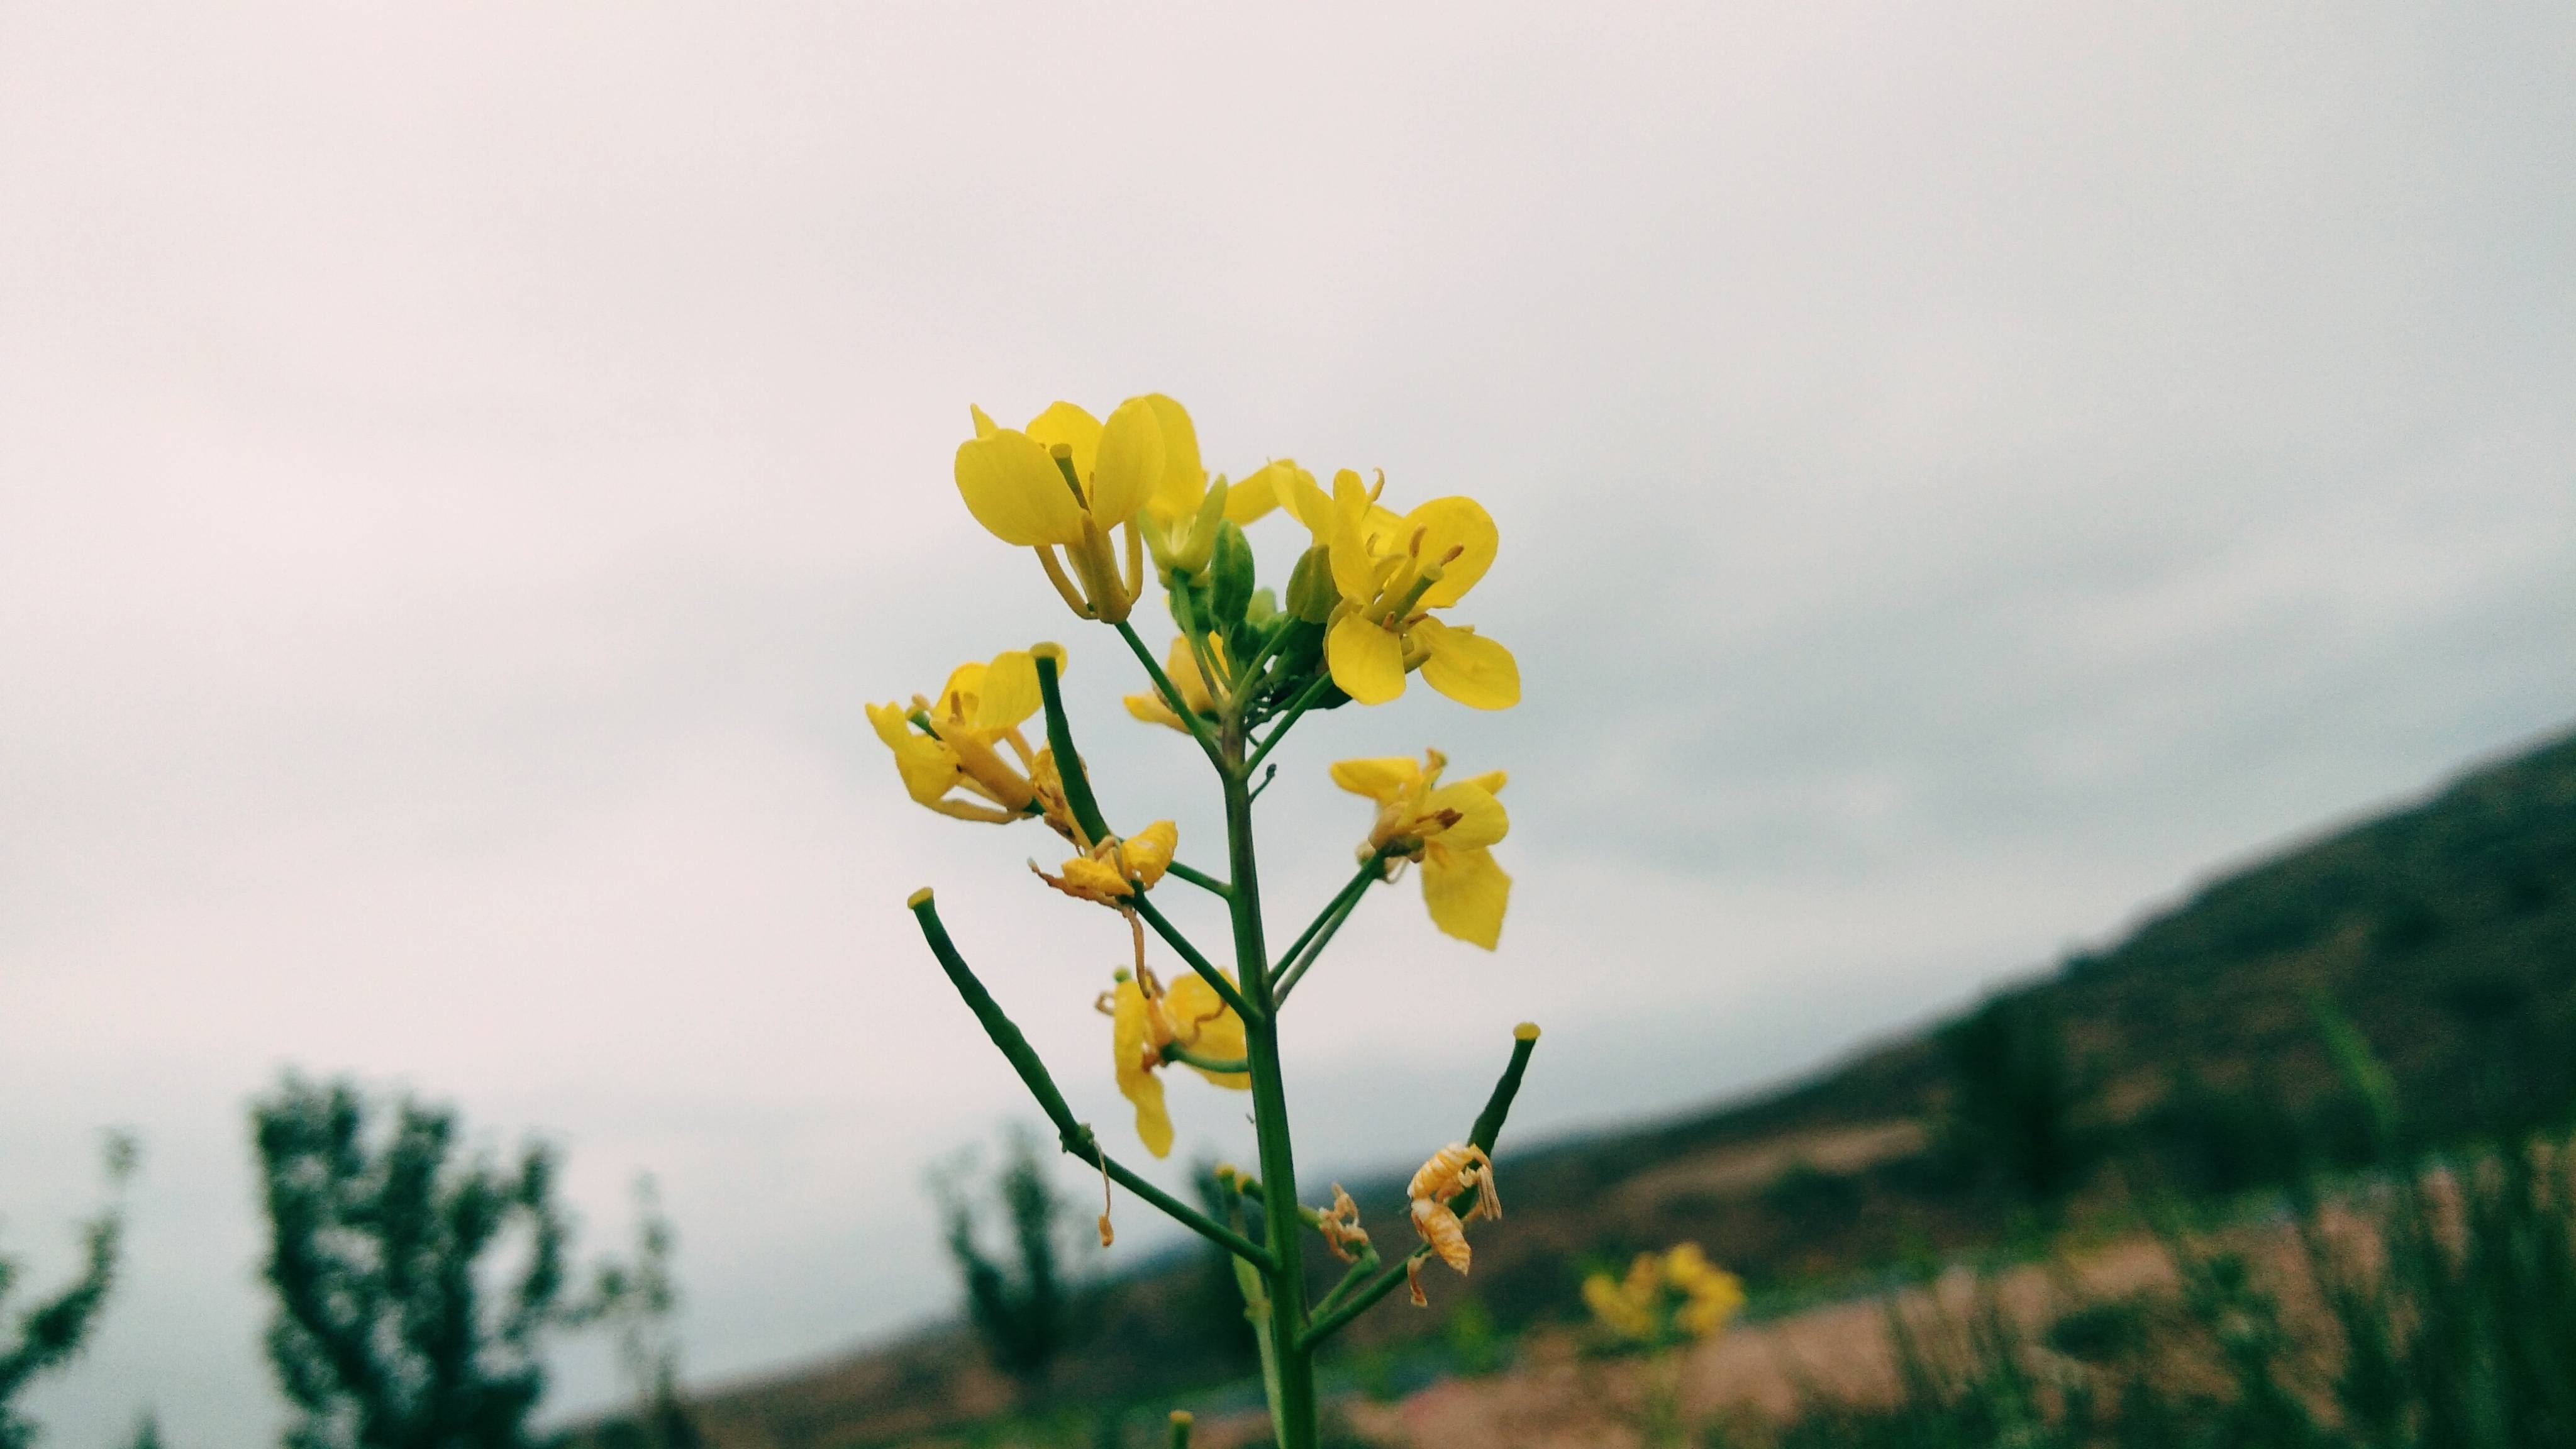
(1074, 1136)
(1226, 990)
(1488, 1130)
(1319, 933)
(1068, 763)
(1171, 696)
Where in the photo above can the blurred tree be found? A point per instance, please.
(1022, 1310)
(639, 1300)
(50, 1334)
(393, 1327)
(2014, 1097)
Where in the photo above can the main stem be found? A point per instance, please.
(1295, 1408)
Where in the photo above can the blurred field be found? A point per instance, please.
(2196, 1061)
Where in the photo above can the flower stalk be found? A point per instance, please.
(1243, 673)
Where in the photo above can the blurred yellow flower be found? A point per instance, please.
(957, 743)
(1182, 668)
(1144, 1019)
(1391, 571)
(1666, 1298)
(1115, 869)
(1449, 828)
(1069, 481)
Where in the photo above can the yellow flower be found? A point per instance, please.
(1449, 828)
(957, 743)
(1666, 1297)
(1144, 1019)
(1114, 870)
(1391, 571)
(1182, 668)
(1070, 482)
(1182, 513)
(1455, 1169)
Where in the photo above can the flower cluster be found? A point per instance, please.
(1368, 604)
(1092, 499)
(1666, 1298)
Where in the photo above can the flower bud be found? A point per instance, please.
(1229, 574)
(1311, 594)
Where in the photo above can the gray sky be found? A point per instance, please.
(1964, 472)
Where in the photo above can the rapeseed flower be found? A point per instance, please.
(1181, 666)
(1069, 481)
(1666, 1298)
(957, 743)
(1112, 871)
(1449, 828)
(1145, 1019)
(1390, 571)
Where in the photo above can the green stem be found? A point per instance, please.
(1068, 764)
(1311, 946)
(1171, 696)
(1369, 871)
(1229, 1066)
(1487, 1131)
(1226, 990)
(1293, 1411)
(1201, 879)
(1365, 1264)
(1361, 1301)
(1279, 731)
(1074, 1136)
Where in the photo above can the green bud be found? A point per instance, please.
(1229, 574)
(1262, 608)
(1311, 594)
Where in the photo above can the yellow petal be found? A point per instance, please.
(1367, 661)
(1010, 691)
(1468, 667)
(1481, 819)
(1491, 782)
(1467, 893)
(928, 768)
(1182, 668)
(1207, 1026)
(984, 425)
(1064, 423)
(1013, 489)
(1130, 463)
(1252, 497)
(1136, 1080)
(1093, 880)
(1302, 498)
(1381, 779)
(1184, 479)
(1151, 709)
(1447, 523)
(960, 696)
(1148, 852)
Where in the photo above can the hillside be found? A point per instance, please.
(2189, 1057)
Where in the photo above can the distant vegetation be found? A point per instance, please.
(417, 1284)
(2403, 987)
(49, 1333)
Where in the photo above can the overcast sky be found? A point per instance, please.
(1964, 471)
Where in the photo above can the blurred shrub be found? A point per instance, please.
(415, 1285)
(51, 1333)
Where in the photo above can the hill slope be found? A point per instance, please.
(2190, 1054)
